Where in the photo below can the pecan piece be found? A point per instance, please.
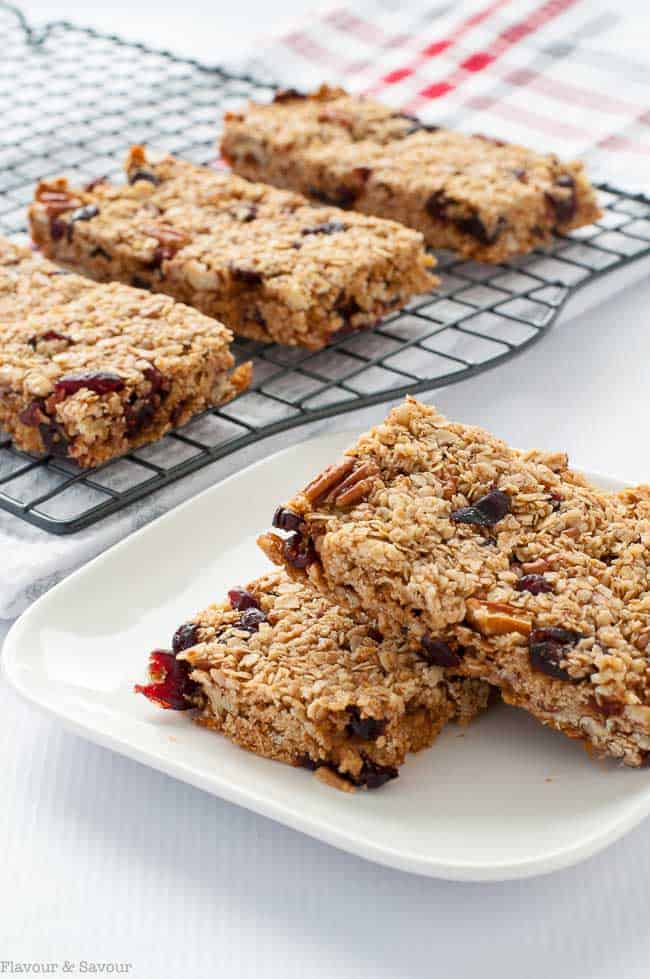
(272, 545)
(170, 240)
(539, 566)
(55, 200)
(327, 480)
(355, 494)
(496, 618)
(337, 117)
(355, 487)
(288, 95)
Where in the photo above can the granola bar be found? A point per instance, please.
(90, 371)
(481, 197)
(269, 264)
(502, 564)
(285, 674)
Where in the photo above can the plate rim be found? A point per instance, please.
(220, 787)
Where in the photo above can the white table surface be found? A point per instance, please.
(104, 860)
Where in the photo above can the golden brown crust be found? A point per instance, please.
(310, 686)
(148, 362)
(481, 197)
(266, 262)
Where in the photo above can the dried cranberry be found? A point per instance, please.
(473, 226)
(251, 277)
(288, 95)
(533, 583)
(54, 439)
(185, 636)
(139, 416)
(436, 205)
(57, 229)
(141, 174)
(250, 619)
(101, 382)
(178, 412)
(373, 775)
(438, 653)
(241, 599)
(348, 307)
(46, 337)
(157, 380)
(486, 512)
(607, 707)
(156, 260)
(171, 684)
(327, 228)
(95, 182)
(285, 519)
(299, 551)
(366, 728)
(340, 197)
(249, 214)
(85, 213)
(564, 207)
(547, 648)
(34, 414)
(362, 173)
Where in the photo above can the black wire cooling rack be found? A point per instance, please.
(72, 100)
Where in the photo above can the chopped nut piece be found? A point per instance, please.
(354, 494)
(327, 480)
(328, 777)
(361, 474)
(496, 619)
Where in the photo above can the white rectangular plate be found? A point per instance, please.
(504, 798)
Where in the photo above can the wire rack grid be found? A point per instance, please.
(71, 101)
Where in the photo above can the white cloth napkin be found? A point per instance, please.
(566, 76)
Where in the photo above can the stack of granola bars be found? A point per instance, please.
(429, 564)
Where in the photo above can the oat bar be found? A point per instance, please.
(501, 564)
(90, 371)
(269, 264)
(484, 198)
(283, 673)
